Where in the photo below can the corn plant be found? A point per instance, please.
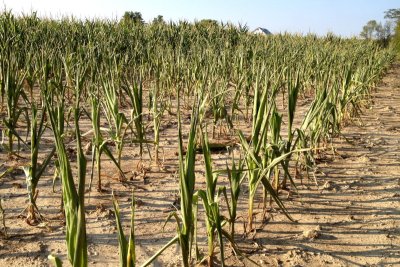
(185, 222)
(214, 224)
(275, 124)
(73, 199)
(115, 117)
(55, 261)
(158, 107)
(3, 218)
(260, 115)
(210, 197)
(235, 177)
(214, 221)
(10, 40)
(294, 88)
(258, 161)
(262, 172)
(135, 94)
(127, 256)
(187, 181)
(219, 109)
(320, 121)
(99, 145)
(12, 81)
(34, 171)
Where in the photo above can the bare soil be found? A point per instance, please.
(351, 217)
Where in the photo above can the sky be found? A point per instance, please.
(342, 17)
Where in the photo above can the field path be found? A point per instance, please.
(353, 218)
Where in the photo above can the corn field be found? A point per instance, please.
(118, 86)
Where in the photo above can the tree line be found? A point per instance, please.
(387, 32)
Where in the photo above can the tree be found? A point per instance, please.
(133, 17)
(393, 14)
(383, 32)
(158, 20)
(369, 29)
(208, 23)
(396, 38)
(386, 33)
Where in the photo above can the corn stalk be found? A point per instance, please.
(34, 171)
(73, 199)
(127, 255)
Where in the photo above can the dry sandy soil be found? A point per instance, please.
(351, 217)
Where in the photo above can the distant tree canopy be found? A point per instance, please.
(396, 39)
(158, 20)
(369, 29)
(208, 23)
(375, 30)
(393, 14)
(133, 17)
(382, 32)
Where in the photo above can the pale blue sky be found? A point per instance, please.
(343, 17)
